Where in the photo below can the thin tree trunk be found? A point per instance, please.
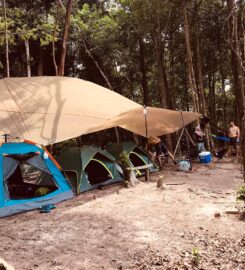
(203, 108)
(53, 39)
(97, 65)
(237, 71)
(162, 83)
(202, 101)
(130, 81)
(65, 38)
(191, 76)
(171, 67)
(105, 78)
(212, 97)
(143, 72)
(161, 76)
(28, 59)
(224, 100)
(162, 80)
(6, 39)
(40, 62)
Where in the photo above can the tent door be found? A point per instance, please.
(137, 160)
(26, 177)
(97, 172)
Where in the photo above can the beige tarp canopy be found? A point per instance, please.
(158, 121)
(53, 109)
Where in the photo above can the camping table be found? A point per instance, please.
(144, 167)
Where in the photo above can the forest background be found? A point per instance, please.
(176, 54)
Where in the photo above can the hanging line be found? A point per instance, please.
(7, 137)
(182, 133)
(218, 129)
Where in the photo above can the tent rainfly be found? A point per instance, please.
(24, 167)
(89, 167)
(48, 110)
(137, 155)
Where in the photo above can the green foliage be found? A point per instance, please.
(124, 160)
(112, 30)
(24, 25)
(125, 164)
(196, 257)
(241, 194)
(42, 191)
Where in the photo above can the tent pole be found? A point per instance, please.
(146, 127)
(147, 171)
(177, 145)
(117, 134)
(188, 134)
(5, 137)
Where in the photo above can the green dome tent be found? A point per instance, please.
(137, 155)
(89, 167)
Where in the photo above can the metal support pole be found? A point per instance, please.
(147, 171)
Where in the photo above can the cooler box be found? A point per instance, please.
(205, 157)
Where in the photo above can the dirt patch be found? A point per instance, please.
(136, 228)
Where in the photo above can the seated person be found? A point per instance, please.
(156, 145)
(199, 138)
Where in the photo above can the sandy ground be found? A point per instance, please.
(136, 228)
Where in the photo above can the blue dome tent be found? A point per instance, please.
(24, 166)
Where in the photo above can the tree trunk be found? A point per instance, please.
(202, 101)
(53, 39)
(65, 38)
(40, 62)
(162, 83)
(203, 108)
(224, 101)
(212, 97)
(97, 65)
(6, 39)
(171, 68)
(191, 76)
(143, 72)
(130, 81)
(162, 78)
(105, 78)
(237, 71)
(28, 59)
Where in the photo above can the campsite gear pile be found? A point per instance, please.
(185, 165)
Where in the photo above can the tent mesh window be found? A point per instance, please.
(27, 176)
(97, 171)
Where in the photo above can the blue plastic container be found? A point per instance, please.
(205, 157)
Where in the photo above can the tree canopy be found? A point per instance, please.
(175, 54)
